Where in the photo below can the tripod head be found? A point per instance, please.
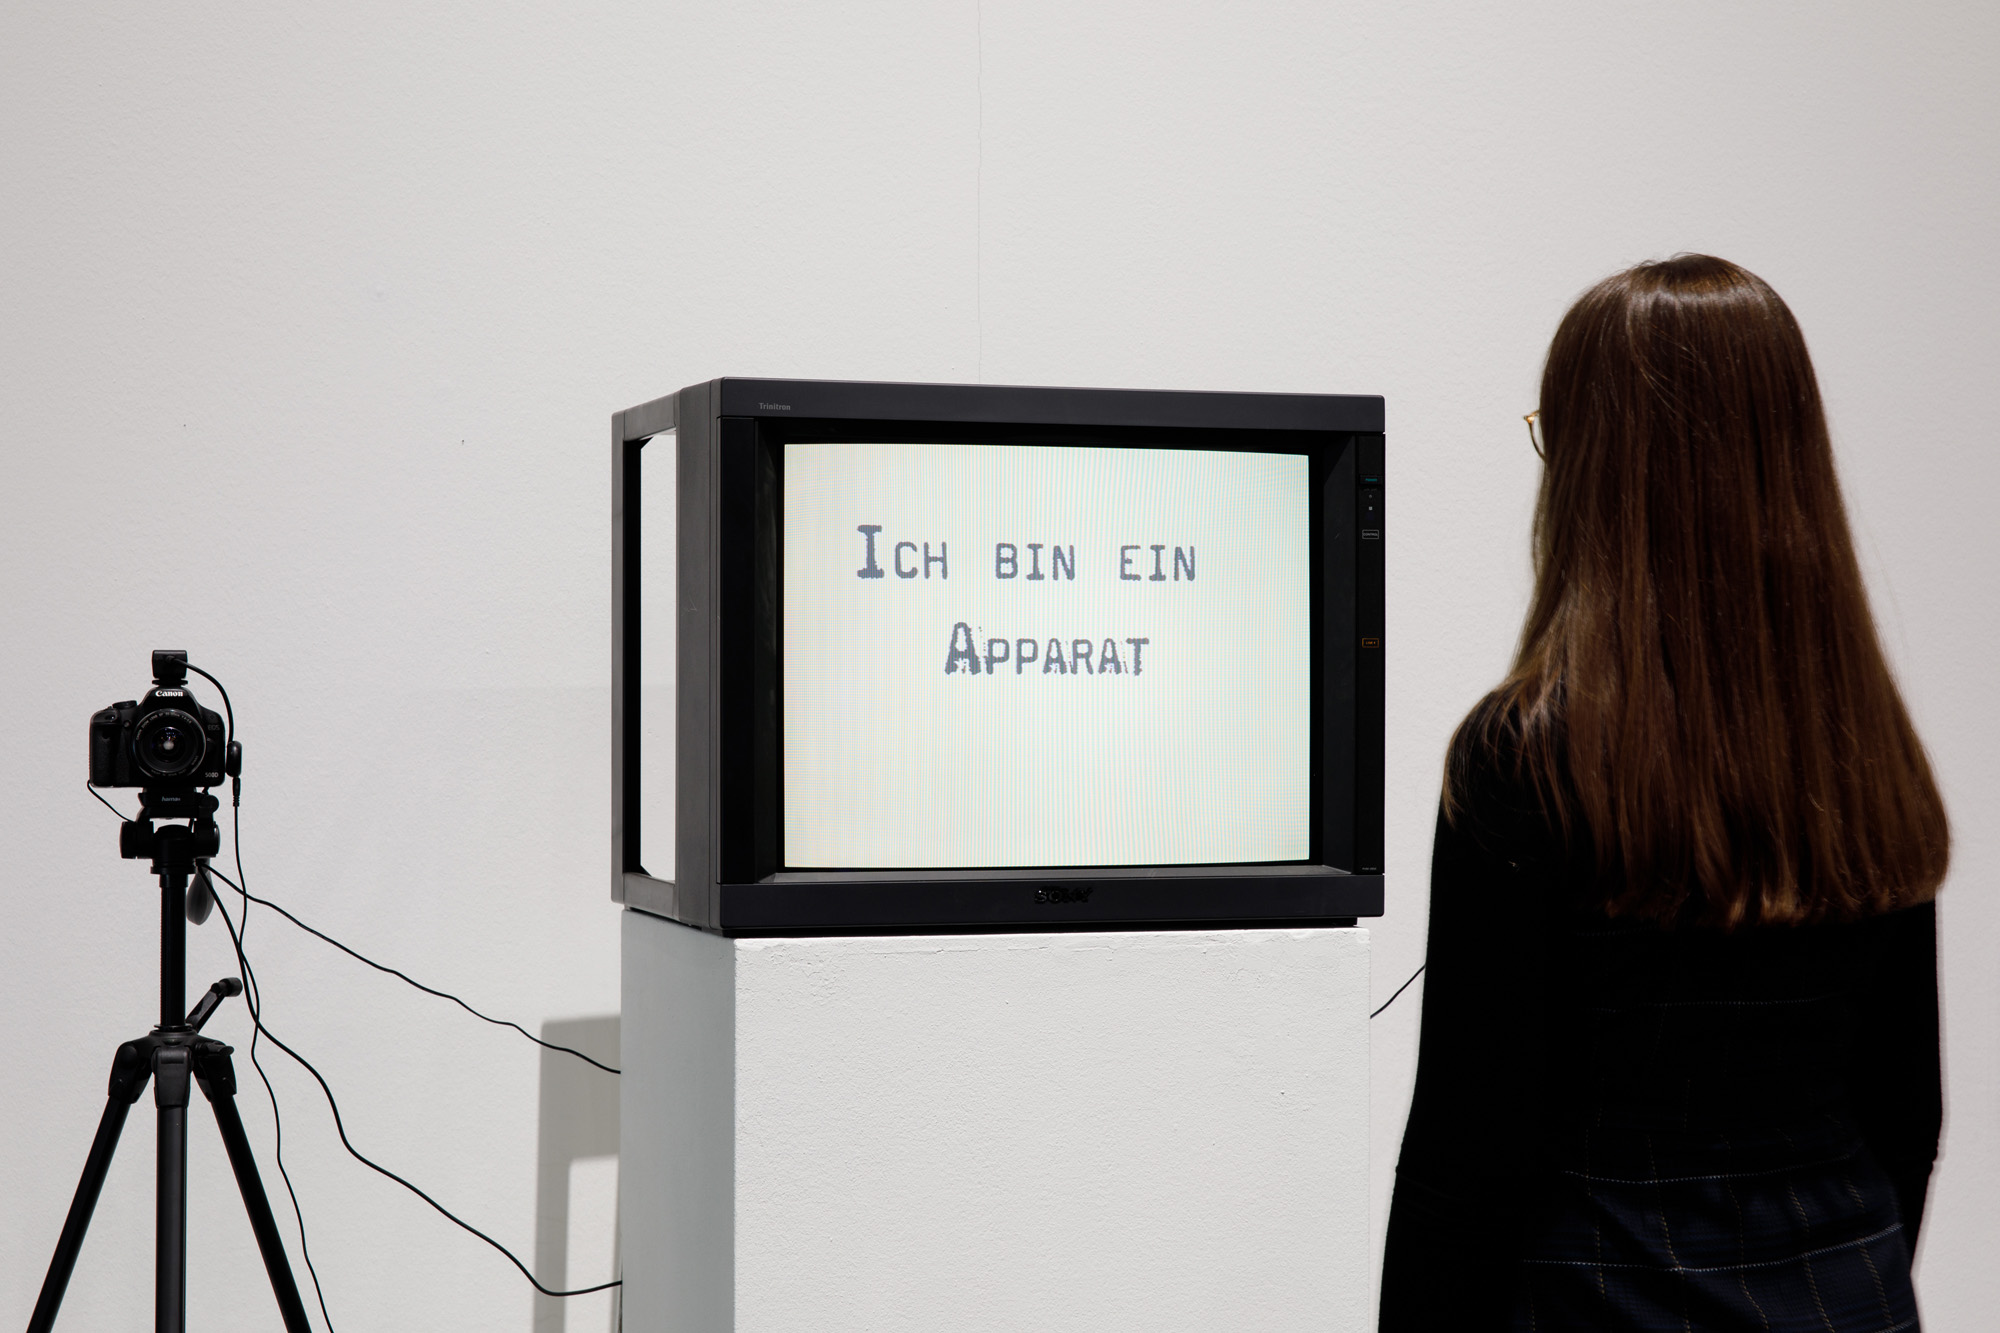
(174, 848)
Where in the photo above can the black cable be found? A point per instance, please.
(253, 1001)
(383, 967)
(101, 801)
(253, 990)
(1400, 989)
(361, 957)
(340, 1127)
(249, 897)
(219, 690)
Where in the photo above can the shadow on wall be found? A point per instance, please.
(578, 1124)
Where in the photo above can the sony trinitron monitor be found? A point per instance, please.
(930, 657)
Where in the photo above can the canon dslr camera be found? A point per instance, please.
(165, 741)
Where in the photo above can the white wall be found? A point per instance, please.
(314, 318)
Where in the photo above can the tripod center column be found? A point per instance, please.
(173, 947)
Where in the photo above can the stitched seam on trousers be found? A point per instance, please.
(1723, 1268)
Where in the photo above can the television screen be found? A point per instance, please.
(1021, 655)
(914, 657)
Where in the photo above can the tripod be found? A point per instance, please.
(173, 1055)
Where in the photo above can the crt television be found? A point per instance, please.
(928, 657)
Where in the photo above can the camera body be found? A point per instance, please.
(165, 740)
(171, 748)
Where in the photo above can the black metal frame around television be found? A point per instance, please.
(728, 875)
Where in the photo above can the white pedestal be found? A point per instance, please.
(1158, 1130)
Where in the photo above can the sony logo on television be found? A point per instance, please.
(775, 407)
(1057, 895)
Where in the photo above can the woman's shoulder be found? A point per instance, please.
(1502, 792)
(1490, 762)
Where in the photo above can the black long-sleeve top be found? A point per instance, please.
(1546, 1026)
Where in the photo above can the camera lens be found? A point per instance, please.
(168, 744)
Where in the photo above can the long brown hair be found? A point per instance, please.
(1699, 689)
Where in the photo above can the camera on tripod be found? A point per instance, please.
(169, 747)
(165, 739)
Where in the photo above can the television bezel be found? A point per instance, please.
(729, 875)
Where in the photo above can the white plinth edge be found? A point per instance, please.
(1157, 1130)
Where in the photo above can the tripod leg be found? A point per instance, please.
(129, 1071)
(170, 1095)
(218, 1080)
(78, 1222)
